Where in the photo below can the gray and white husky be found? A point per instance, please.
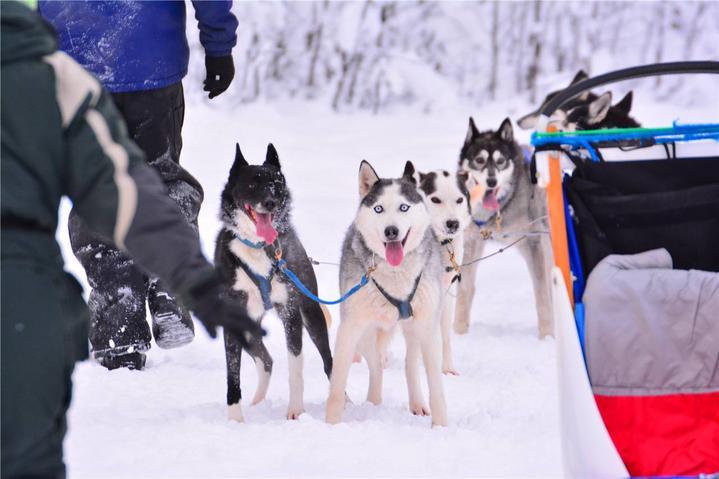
(505, 205)
(392, 239)
(447, 201)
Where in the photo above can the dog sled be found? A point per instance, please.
(635, 288)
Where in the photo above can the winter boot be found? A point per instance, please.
(172, 325)
(134, 360)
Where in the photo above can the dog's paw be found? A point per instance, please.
(545, 331)
(461, 327)
(335, 406)
(294, 413)
(449, 371)
(234, 413)
(419, 409)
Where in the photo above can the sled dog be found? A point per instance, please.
(447, 201)
(586, 111)
(256, 226)
(505, 206)
(392, 241)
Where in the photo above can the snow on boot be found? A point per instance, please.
(172, 325)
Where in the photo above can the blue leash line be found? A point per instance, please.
(282, 266)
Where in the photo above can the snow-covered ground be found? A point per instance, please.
(170, 420)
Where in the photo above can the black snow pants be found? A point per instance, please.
(118, 323)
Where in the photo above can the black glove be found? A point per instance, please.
(213, 310)
(220, 72)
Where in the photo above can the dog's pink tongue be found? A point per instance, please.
(394, 253)
(489, 201)
(265, 230)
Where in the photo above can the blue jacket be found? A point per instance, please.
(138, 45)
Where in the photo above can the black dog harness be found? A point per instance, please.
(264, 284)
(404, 307)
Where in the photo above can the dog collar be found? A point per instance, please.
(404, 307)
(481, 223)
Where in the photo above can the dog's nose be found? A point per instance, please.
(391, 233)
(452, 225)
(491, 182)
(269, 204)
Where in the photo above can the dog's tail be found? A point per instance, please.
(327, 315)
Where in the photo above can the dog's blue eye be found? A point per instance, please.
(436, 200)
(460, 200)
(378, 209)
(403, 207)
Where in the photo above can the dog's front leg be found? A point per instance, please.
(430, 344)
(473, 249)
(447, 314)
(371, 352)
(348, 335)
(537, 253)
(417, 405)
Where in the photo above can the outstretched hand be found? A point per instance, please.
(220, 72)
(213, 310)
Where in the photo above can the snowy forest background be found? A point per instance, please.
(377, 56)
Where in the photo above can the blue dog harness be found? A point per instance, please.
(264, 284)
(404, 307)
(251, 244)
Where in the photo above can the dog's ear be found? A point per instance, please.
(599, 108)
(462, 180)
(367, 178)
(505, 132)
(238, 163)
(580, 76)
(409, 173)
(271, 158)
(625, 104)
(528, 121)
(472, 132)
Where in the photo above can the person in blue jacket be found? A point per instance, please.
(139, 52)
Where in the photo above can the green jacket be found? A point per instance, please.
(62, 136)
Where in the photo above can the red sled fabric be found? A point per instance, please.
(664, 435)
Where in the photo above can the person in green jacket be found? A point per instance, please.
(62, 136)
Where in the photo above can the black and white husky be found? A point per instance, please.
(586, 111)
(390, 238)
(505, 205)
(255, 214)
(447, 201)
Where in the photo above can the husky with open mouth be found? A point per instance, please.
(447, 201)
(507, 206)
(391, 241)
(256, 227)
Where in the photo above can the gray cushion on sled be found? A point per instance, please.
(651, 329)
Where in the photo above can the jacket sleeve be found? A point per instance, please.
(218, 26)
(114, 191)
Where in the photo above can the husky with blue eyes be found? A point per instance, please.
(391, 241)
